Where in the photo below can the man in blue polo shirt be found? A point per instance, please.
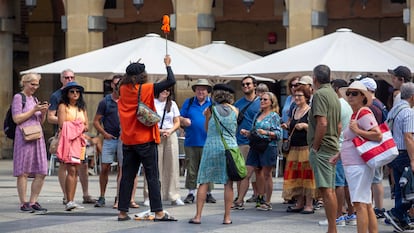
(192, 120)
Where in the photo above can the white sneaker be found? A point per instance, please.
(78, 206)
(339, 222)
(70, 206)
(177, 202)
(146, 202)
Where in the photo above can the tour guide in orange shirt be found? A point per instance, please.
(140, 141)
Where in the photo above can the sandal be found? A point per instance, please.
(165, 218)
(115, 206)
(88, 200)
(134, 205)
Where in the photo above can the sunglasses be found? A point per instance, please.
(69, 77)
(353, 93)
(246, 84)
(264, 99)
(74, 91)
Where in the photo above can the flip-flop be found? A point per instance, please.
(293, 209)
(165, 218)
(191, 221)
(126, 218)
(133, 204)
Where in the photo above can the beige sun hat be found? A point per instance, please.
(202, 82)
(359, 86)
(306, 80)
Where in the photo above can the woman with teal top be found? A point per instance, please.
(267, 126)
(213, 161)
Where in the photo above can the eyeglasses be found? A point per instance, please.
(246, 84)
(74, 91)
(294, 85)
(353, 93)
(264, 99)
(69, 77)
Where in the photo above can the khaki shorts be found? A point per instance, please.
(324, 171)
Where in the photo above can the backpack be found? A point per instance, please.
(9, 126)
(383, 109)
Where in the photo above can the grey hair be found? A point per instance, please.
(407, 90)
(322, 73)
(262, 88)
(64, 71)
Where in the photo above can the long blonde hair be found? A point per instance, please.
(273, 99)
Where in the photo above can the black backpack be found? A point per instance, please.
(9, 126)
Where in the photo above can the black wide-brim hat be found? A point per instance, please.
(71, 85)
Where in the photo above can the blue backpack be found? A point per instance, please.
(9, 126)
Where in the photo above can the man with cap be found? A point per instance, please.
(192, 120)
(400, 75)
(377, 108)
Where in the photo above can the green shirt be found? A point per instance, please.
(325, 103)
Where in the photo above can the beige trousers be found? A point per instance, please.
(169, 169)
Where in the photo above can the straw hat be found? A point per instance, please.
(359, 86)
(202, 82)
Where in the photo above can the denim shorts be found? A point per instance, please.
(378, 176)
(267, 158)
(340, 180)
(109, 150)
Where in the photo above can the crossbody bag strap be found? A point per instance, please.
(248, 105)
(163, 115)
(139, 93)
(219, 130)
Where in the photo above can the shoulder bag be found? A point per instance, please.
(235, 164)
(32, 132)
(145, 115)
(376, 154)
(256, 142)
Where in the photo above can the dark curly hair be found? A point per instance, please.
(80, 103)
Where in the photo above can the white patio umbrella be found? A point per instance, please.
(400, 44)
(230, 56)
(104, 63)
(345, 52)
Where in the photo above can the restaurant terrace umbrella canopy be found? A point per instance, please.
(346, 53)
(398, 43)
(151, 49)
(230, 56)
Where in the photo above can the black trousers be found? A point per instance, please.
(133, 156)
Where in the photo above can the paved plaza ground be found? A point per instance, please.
(97, 220)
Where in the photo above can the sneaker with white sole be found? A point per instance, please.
(340, 222)
(395, 222)
(178, 202)
(146, 202)
(351, 220)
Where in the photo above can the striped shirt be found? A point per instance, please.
(403, 123)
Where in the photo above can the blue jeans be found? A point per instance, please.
(400, 209)
(134, 155)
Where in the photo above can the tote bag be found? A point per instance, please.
(377, 154)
